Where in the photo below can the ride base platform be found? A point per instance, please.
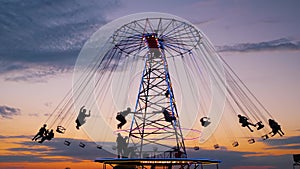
(152, 163)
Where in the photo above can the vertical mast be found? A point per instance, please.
(155, 125)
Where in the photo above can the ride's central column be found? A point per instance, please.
(155, 129)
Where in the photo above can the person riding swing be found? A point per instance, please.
(81, 117)
(168, 117)
(244, 121)
(276, 128)
(48, 136)
(40, 133)
(121, 117)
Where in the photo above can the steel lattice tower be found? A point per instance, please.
(155, 121)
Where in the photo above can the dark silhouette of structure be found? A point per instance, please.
(296, 158)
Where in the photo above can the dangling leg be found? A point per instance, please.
(249, 128)
(43, 139)
(39, 136)
(254, 125)
(281, 131)
(274, 132)
(122, 123)
(35, 137)
(77, 124)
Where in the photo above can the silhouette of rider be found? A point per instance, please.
(275, 128)
(126, 150)
(244, 121)
(40, 133)
(48, 136)
(121, 144)
(81, 117)
(167, 94)
(121, 117)
(204, 121)
(168, 116)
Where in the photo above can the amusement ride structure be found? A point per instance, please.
(154, 82)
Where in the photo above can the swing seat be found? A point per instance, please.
(216, 146)
(60, 129)
(251, 141)
(67, 143)
(260, 125)
(235, 144)
(196, 148)
(265, 137)
(81, 144)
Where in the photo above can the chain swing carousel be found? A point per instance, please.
(170, 89)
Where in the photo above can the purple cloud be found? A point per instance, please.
(278, 44)
(8, 112)
(40, 39)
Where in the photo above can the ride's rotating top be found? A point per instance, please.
(178, 36)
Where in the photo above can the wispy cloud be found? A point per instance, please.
(46, 36)
(204, 22)
(278, 44)
(283, 141)
(35, 73)
(7, 112)
(54, 149)
(286, 143)
(14, 137)
(229, 159)
(287, 147)
(33, 114)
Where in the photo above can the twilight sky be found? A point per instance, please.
(40, 42)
